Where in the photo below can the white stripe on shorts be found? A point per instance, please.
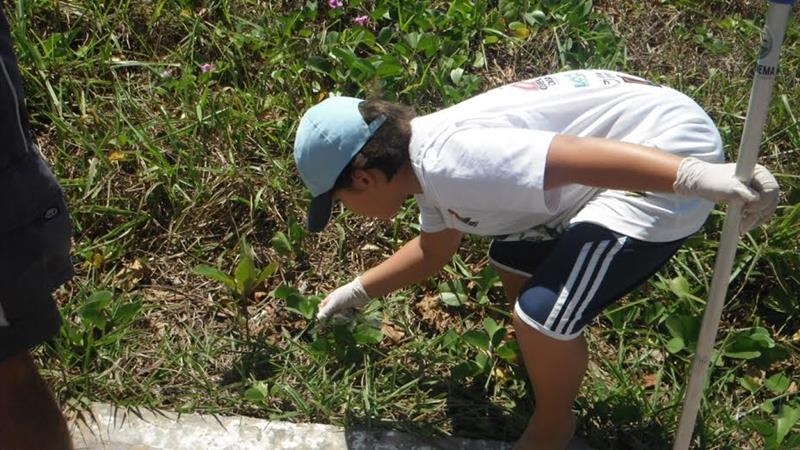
(574, 299)
(572, 294)
(566, 290)
(601, 274)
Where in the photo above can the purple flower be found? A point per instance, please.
(361, 20)
(206, 67)
(335, 3)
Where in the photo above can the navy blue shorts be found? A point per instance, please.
(574, 277)
(35, 228)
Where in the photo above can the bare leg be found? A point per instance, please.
(556, 369)
(29, 416)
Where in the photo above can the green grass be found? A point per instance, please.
(168, 167)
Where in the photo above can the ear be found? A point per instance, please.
(362, 179)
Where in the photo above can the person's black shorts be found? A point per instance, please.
(574, 277)
(35, 227)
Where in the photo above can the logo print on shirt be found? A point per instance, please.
(611, 78)
(465, 220)
(578, 80)
(536, 84)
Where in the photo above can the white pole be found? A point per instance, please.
(764, 78)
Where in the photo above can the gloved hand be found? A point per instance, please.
(718, 183)
(343, 299)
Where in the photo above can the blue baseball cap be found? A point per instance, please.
(329, 135)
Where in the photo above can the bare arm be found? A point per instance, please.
(608, 163)
(415, 261)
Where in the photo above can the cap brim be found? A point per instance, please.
(319, 212)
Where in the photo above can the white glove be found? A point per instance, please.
(343, 299)
(718, 183)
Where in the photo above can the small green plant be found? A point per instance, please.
(345, 339)
(775, 422)
(305, 305)
(102, 320)
(243, 281)
(492, 348)
(463, 284)
(290, 243)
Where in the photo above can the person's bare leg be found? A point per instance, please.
(30, 419)
(555, 369)
(557, 366)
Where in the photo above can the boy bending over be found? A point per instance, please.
(587, 181)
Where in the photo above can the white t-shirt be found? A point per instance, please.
(481, 162)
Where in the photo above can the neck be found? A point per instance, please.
(408, 179)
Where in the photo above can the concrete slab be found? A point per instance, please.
(122, 429)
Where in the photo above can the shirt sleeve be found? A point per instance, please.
(493, 169)
(430, 219)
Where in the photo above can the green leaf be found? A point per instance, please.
(675, 326)
(534, 18)
(762, 337)
(491, 326)
(321, 65)
(320, 346)
(465, 370)
(675, 345)
(495, 331)
(759, 425)
(450, 299)
(284, 291)
(478, 339)
(245, 272)
(483, 361)
(412, 39)
(684, 327)
(450, 339)
(519, 30)
(753, 354)
(92, 309)
(266, 273)
(487, 278)
(456, 75)
(297, 232)
(749, 383)
(353, 62)
(126, 312)
(256, 393)
(509, 351)
(366, 334)
(389, 66)
(280, 242)
(777, 383)
(787, 418)
(99, 299)
(245, 250)
(680, 287)
(216, 275)
(93, 317)
(301, 304)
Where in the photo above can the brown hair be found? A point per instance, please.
(387, 149)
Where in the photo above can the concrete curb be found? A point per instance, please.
(112, 428)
